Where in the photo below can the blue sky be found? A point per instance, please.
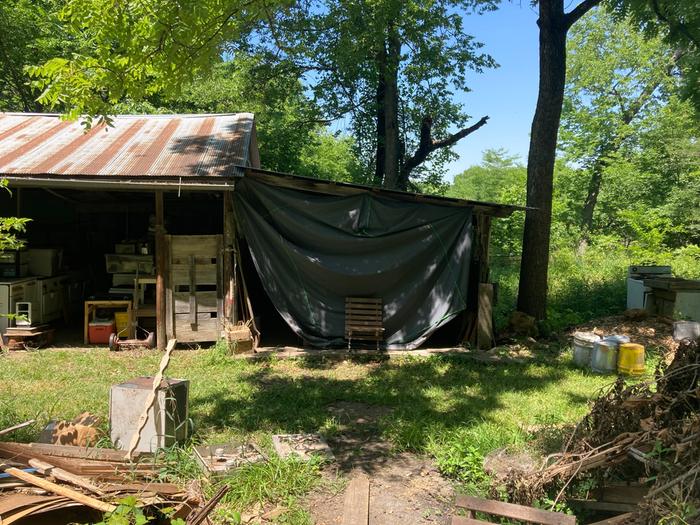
(506, 94)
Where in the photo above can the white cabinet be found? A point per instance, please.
(51, 298)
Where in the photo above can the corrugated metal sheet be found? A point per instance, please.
(135, 146)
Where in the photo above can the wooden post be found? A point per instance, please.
(160, 272)
(229, 265)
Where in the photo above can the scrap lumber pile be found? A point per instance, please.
(646, 431)
(40, 478)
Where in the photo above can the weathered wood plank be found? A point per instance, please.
(485, 336)
(206, 302)
(199, 245)
(180, 274)
(356, 505)
(517, 512)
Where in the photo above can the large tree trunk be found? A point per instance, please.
(380, 118)
(532, 293)
(391, 109)
(553, 24)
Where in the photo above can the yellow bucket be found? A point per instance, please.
(630, 359)
(121, 319)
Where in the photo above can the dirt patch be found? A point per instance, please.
(404, 487)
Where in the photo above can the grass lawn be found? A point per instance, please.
(448, 407)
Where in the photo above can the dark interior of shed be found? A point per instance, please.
(87, 225)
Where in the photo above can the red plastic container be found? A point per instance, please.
(99, 332)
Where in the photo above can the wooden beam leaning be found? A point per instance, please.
(160, 272)
(164, 362)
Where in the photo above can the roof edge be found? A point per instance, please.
(348, 188)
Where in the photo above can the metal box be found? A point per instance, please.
(167, 419)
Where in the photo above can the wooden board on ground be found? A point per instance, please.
(304, 446)
(500, 509)
(356, 505)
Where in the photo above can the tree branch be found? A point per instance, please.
(427, 145)
(572, 17)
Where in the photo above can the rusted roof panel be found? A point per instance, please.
(134, 146)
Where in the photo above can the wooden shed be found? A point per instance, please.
(162, 187)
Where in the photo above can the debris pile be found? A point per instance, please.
(41, 478)
(646, 432)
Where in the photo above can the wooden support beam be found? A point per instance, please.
(229, 264)
(160, 272)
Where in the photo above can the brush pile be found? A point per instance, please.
(648, 432)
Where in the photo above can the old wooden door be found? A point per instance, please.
(195, 291)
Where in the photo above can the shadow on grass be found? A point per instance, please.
(445, 392)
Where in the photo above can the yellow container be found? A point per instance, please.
(122, 321)
(630, 359)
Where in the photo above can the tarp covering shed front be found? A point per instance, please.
(313, 250)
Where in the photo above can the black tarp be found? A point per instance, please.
(313, 250)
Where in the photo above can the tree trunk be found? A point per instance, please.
(592, 196)
(380, 118)
(391, 109)
(532, 292)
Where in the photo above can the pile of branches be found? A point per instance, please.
(648, 430)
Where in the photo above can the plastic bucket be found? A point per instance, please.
(121, 319)
(583, 348)
(631, 360)
(604, 357)
(619, 339)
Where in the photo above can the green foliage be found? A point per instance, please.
(273, 481)
(10, 227)
(127, 513)
(31, 34)
(464, 463)
(334, 46)
(677, 22)
(136, 48)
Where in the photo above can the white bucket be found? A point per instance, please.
(604, 357)
(583, 348)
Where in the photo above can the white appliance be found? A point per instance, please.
(12, 291)
(637, 293)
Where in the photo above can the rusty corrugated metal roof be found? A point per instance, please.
(134, 146)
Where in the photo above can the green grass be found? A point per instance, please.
(449, 407)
